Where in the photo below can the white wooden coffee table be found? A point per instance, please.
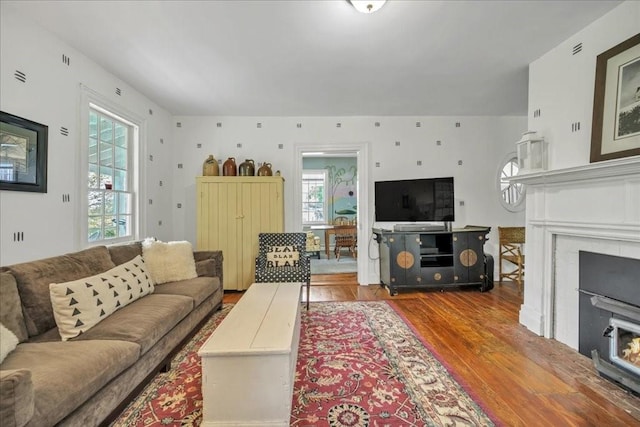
(249, 361)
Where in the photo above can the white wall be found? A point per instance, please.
(51, 96)
(561, 85)
(480, 143)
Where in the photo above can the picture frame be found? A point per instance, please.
(615, 131)
(23, 154)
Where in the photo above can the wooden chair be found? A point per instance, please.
(512, 240)
(346, 238)
(340, 220)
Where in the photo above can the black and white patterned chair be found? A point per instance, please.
(282, 257)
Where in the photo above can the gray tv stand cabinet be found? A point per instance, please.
(434, 259)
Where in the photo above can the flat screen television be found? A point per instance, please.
(415, 200)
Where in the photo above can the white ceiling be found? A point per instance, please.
(320, 58)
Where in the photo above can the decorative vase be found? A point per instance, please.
(229, 167)
(210, 167)
(247, 168)
(265, 170)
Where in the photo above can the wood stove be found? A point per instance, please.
(609, 325)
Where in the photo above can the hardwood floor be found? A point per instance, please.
(521, 378)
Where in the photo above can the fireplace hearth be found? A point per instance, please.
(609, 316)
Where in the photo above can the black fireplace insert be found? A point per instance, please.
(609, 316)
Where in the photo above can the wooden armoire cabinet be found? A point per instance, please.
(231, 212)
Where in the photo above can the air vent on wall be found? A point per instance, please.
(118, 91)
(64, 131)
(577, 48)
(19, 75)
(66, 60)
(575, 126)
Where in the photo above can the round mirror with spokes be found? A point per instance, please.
(511, 193)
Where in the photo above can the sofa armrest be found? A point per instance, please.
(16, 397)
(209, 263)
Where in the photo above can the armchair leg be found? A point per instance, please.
(308, 290)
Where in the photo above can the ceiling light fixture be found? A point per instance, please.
(367, 6)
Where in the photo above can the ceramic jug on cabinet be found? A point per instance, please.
(265, 170)
(247, 168)
(210, 167)
(229, 167)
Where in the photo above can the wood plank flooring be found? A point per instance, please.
(521, 378)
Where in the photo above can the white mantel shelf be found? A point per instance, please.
(600, 170)
(594, 207)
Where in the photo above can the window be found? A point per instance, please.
(511, 193)
(314, 203)
(110, 182)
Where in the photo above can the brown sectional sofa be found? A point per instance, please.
(86, 380)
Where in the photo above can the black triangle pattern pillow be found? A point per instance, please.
(82, 304)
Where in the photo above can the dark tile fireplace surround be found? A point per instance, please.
(609, 316)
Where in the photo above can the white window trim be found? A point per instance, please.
(325, 203)
(92, 99)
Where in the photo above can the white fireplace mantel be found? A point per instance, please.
(594, 207)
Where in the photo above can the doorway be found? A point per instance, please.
(360, 153)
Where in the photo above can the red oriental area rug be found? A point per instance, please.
(359, 364)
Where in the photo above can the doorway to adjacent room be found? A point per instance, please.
(328, 194)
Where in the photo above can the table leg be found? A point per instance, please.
(326, 243)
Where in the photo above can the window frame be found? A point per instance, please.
(325, 202)
(135, 167)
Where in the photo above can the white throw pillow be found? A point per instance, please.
(169, 261)
(81, 304)
(8, 342)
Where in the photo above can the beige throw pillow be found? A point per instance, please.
(169, 261)
(8, 342)
(81, 304)
(282, 256)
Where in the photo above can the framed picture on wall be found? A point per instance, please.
(616, 102)
(23, 154)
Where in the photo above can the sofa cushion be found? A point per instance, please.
(80, 304)
(143, 322)
(34, 277)
(11, 307)
(169, 261)
(123, 253)
(8, 342)
(205, 267)
(16, 397)
(65, 373)
(198, 288)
